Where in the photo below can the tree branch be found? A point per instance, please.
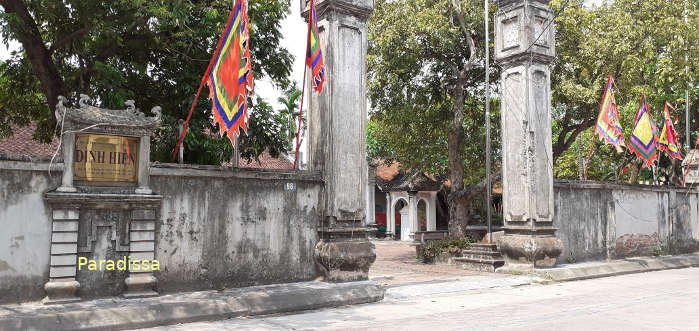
(37, 53)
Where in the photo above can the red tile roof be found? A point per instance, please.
(266, 162)
(21, 143)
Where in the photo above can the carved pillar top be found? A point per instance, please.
(524, 30)
(361, 9)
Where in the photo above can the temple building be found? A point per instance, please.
(403, 203)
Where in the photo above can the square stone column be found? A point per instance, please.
(68, 142)
(337, 138)
(390, 217)
(412, 214)
(524, 48)
(144, 167)
(62, 286)
(371, 196)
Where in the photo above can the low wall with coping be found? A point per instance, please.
(598, 221)
(217, 227)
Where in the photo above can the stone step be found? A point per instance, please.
(481, 254)
(479, 264)
(483, 247)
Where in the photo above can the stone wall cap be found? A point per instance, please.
(90, 115)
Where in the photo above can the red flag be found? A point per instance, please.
(314, 57)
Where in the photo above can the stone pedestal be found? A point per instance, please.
(524, 47)
(337, 138)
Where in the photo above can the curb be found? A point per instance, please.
(120, 314)
(620, 267)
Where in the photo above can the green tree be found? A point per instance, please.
(643, 44)
(425, 86)
(153, 52)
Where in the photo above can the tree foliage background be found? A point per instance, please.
(426, 73)
(154, 52)
(643, 44)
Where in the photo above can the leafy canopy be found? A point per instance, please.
(154, 52)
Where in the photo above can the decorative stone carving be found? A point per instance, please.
(107, 219)
(524, 49)
(336, 148)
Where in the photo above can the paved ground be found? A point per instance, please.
(396, 265)
(662, 300)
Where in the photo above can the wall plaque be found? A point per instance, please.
(106, 159)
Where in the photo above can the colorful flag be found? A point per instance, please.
(669, 139)
(231, 74)
(608, 127)
(644, 135)
(314, 56)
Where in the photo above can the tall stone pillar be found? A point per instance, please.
(412, 213)
(371, 196)
(390, 217)
(524, 47)
(337, 138)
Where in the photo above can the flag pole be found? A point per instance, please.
(686, 91)
(303, 89)
(487, 128)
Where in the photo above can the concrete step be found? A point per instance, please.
(481, 254)
(479, 264)
(483, 247)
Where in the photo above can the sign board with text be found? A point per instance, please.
(106, 159)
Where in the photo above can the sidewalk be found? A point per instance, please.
(119, 313)
(588, 270)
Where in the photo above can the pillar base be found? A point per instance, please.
(525, 252)
(140, 286)
(345, 260)
(61, 292)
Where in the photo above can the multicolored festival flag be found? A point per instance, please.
(644, 135)
(669, 139)
(314, 60)
(608, 127)
(231, 74)
(314, 57)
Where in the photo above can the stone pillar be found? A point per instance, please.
(337, 138)
(524, 48)
(63, 286)
(405, 223)
(371, 196)
(68, 149)
(691, 161)
(144, 166)
(412, 213)
(141, 247)
(390, 217)
(432, 212)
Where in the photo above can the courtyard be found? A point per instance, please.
(396, 265)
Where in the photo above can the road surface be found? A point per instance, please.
(662, 300)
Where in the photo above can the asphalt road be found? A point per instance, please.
(663, 300)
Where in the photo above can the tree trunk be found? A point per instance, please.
(458, 206)
(37, 53)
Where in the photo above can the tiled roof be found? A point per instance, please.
(21, 143)
(387, 172)
(266, 162)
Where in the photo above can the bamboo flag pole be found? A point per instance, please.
(488, 190)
